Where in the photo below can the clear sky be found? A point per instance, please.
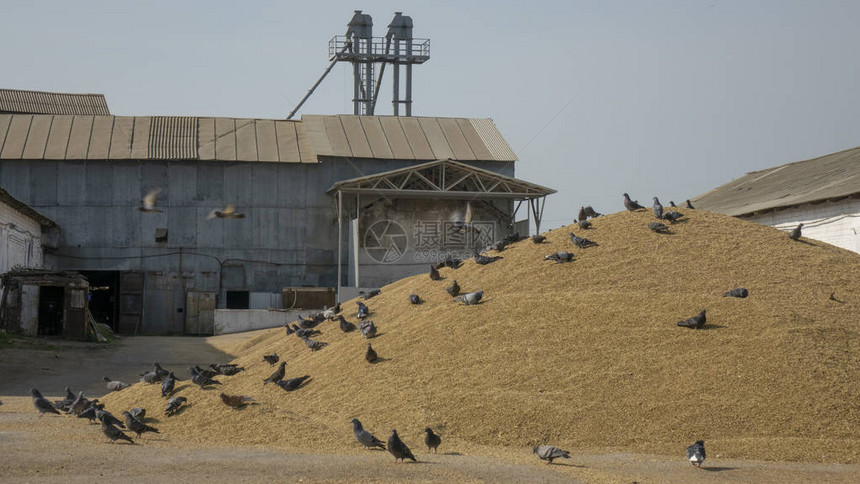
(597, 98)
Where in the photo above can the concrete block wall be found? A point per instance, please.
(836, 223)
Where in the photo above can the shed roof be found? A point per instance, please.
(828, 177)
(25, 209)
(39, 102)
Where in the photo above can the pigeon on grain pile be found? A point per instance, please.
(658, 209)
(658, 227)
(398, 449)
(313, 344)
(471, 298)
(363, 310)
(149, 201)
(235, 401)
(150, 377)
(631, 205)
(345, 325)
(114, 433)
(550, 452)
(277, 375)
(306, 323)
(583, 224)
(114, 385)
(173, 405)
(305, 333)
(201, 380)
(672, 204)
(795, 234)
(292, 383)
(136, 425)
(271, 359)
(483, 260)
(590, 212)
(370, 293)
(696, 453)
(560, 257)
(690, 205)
(139, 413)
(227, 370)
(67, 401)
(431, 440)
(368, 329)
(364, 437)
(41, 403)
(371, 355)
(696, 322)
(207, 372)
(79, 405)
(581, 242)
(453, 289)
(672, 216)
(538, 238)
(582, 214)
(167, 385)
(737, 292)
(434, 273)
(414, 299)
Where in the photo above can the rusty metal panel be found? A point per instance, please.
(267, 142)
(456, 140)
(356, 137)
(100, 138)
(396, 138)
(225, 139)
(376, 137)
(475, 142)
(37, 138)
(416, 138)
(246, 140)
(79, 139)
(436, 138)
(120, 144)
(16, 137)
(206, 138)
(140, 138)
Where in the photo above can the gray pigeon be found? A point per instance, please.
(658, 209)
(631, 205)
(672, 204)
(207, 372)
(201, 380)
(79, 405)
(67, 401)
(483, 260)
(591, 213)
(364, 437)
(398, 449)
(162, 372)
(114, 433)
(305, 333)
(371, 355)
(581, 242)
(737, 292)
(434, 273)
(227, 370)
(136, 425)
(363, 310)
(538, 238)
(345, 325)
(453, 289)
(368, 329)
(584, 224)
(277, 375)
(696, 453)
(471, 298)
(292, 383)
(313, 344)
(658, 227)
(167, 385)
(414, 299)
(41, 403)
(150, 377)
(690, 205)
(560, 257)
(138, 413)
(431, 440)
(795, 234)
(106, 417)
(583, 215)
(173, 405)
(370, 293)
(114, 385)
(89, 413)
(672, 216)
(696, 322)
(550, 452)
(271, 359)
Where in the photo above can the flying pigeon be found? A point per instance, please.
(149, 201)
(345, 325)
(398, 449)
(271, 359)
(368, 329)
(538, 238)
(696, 453)
(631, 205)
(658, 227)
(414, 299)
(584, 224)
(795, 234)
(658, 209)
(690, 205)
(737, 292)
(235, 401)
(471, 298)
(313, 344)
(167, 385)
(228, 212)
(434, 273)
(138, 413)
(696, 322)
(364, 437)
(292, 383)
(431, 440)
(363, 310)
(672, 216)
(371, 355)
(370, 293)
(201, 380)
(136, 425)
(41, 403)
(173, 405)
(560, 257)
(484, 260)
(115, 386)
(550, 452)
(277, 375)
(453, 289)
(114, 433)
(581, 242)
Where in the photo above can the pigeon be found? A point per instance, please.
(672, 216)
(560, 257)
(368, 329)
(150, 377)
(414, 299)
(114, 385)
(672, 204)
(201, 380)
(584, 224)
(162, 372)
(79, 405)
(658, 209)
(690, 205)
(306, 323)
(289, 329)
(483, 260)
(370, 355)
(631, 205)
(590, 212)
(434, 274)
(167, 385)
(227, 370)
(498, 246)
(370, 293)
(795, 234)
(364, 437)
(581, 242)
(292, 383)
(228, 212)
(173, 405)
(329, 314)
(41, 403)
(336, 308)
(138, 413)
(453, 289)
(398, 449)
(304, 332)
(136, 425)
(550, 452)
(277, 375)
(431, 440)
(149, 201)
(583, 215)
(471, 298)
(207, 372)
(106, 417)
(89, 413)
(345, 325)
(363, 310)
(658, 227)
(271, 359)
(696, 322)
(235, 401)
(313, 344)
(737, 292)
(114, 433)
(67, 401)
(696, 453)
(450, 261)
(538, 238)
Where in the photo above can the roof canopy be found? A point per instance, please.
(38, 102)
(442, 179)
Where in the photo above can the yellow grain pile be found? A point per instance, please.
(584, 354)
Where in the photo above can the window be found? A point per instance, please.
(238, 299)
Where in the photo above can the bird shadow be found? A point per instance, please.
(377, 335)
(667, 232)
(807, 242)
(452, 453)
(178, 389)
(182, 409)
(717, 469)
(379, 359)
(565, 464)
(713, 326)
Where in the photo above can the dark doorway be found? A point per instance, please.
(238, 299)
(50, 310)
(104, 293)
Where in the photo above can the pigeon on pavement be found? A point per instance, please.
(136, 425)
(364, 437)
(398, 449)
(41, 403)
(431, 440)
(696, 453)
(550, 452)
(114, 433)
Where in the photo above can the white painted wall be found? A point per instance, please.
(836, 223)
(20, 240)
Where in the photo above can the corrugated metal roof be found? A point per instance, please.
(406, 138)
(173, 138)
(827, 177)
(25, 209)
(38, 102)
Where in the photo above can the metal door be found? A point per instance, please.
(130, 302)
